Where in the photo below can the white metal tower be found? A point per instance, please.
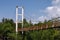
(17, 14)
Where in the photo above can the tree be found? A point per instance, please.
(26, 24)
(49, 23)
(40, 24)
(56, 35)
(7, 27)
(30, 23)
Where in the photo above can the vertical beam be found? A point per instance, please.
(53, 24)
(16, 19)
(22, 18)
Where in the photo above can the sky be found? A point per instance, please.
(34, 10)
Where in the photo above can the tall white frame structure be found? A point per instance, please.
(17, 14)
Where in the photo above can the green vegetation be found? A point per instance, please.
(7, 31)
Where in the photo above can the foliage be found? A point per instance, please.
(25, 23)
(7, 30)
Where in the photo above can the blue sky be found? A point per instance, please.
(33, 8)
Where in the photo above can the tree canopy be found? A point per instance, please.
(7, 31)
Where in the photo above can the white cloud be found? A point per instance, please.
(42, 18)
(51, 11)
(54, 10)
(55, 1)
(50, 8)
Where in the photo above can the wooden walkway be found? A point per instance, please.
(55, 25)
(36, 28)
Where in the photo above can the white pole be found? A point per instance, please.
(16, 19)
(22, 18)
